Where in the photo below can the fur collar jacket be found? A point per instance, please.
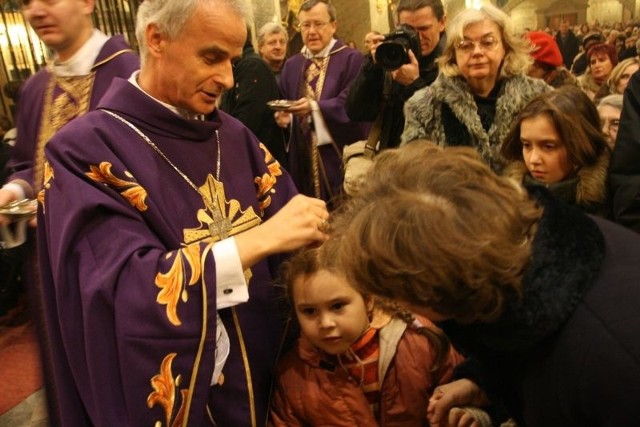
(424, 113)
(588, 84)
(588, 190)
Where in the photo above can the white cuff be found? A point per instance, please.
(231, 286)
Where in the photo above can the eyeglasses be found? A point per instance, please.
(485, 44)
(318, 25)
(610, 125)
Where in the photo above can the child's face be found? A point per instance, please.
(332, 314)
(543, 150)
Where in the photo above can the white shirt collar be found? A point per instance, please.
(179, 111)
(323, 53)
(82, 61)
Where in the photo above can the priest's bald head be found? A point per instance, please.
(187, 49)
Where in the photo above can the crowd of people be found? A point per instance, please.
(194, 260)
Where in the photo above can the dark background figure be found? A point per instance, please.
(624, 172)
(629, 50)
(427, 18)
(580, 62)
(295, 37)
(568, 44)
(5, 148)
(255, 85)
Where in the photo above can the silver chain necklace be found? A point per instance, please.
(221, 226)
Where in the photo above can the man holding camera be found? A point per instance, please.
(421, 19)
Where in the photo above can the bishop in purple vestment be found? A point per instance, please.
(161, 223)
(323, 72)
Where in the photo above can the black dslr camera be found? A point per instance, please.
(393, 52)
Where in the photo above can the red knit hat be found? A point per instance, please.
(545, 48)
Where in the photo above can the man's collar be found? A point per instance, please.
(81, 62)
(179, 111)
(322, 54)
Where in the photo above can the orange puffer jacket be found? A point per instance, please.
(311, 391)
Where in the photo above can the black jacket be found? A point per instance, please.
(624, 172)
(568, 354)
(255, 85)
(569, 47)
(365, 96)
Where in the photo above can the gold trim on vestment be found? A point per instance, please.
(247, 368)
(71, 103)
(205, 316)
(109, 58)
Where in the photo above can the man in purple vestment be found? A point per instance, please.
(321, 73)
(161, 220)
(83, 64)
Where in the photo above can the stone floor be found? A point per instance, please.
(32, 412)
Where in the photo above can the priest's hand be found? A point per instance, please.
(300, 107)
(6, 197)
(283, 118)
(301, 222)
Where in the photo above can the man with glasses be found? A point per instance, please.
(318, 78)
(428, 19)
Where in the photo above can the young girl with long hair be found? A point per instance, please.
(557, 142)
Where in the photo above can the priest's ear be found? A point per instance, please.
(155, 40)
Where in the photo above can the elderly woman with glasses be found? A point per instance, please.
(610, 110)
(481, 87)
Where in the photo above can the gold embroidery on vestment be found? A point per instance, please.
(240, 220)
(267, 181)
(172, 283)
(164, 394)
(48, 176)
(72, 102)
(133, 192)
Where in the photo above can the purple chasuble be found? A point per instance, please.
(344, 66)
(110, 63)
(128, 273)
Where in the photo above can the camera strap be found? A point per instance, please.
(371, 148)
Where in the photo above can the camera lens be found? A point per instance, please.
(391, 55)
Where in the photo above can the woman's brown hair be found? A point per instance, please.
(435, 227)
(576, 120)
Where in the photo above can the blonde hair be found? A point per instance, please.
(517, 58)
(617, 71)
(437, 228)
